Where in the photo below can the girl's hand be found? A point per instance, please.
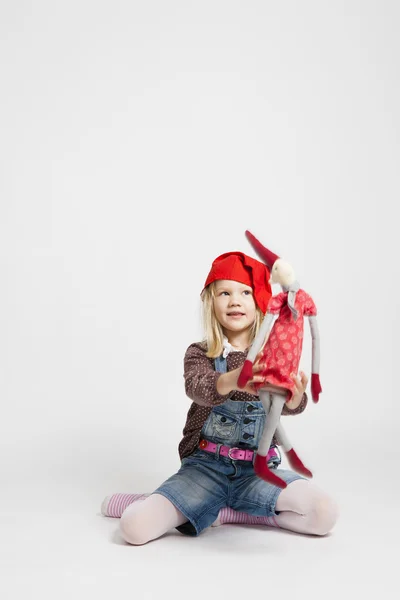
(228, 382)
(258, 366)
(257, 378)
(300, 382)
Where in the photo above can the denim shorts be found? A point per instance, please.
(206, 482)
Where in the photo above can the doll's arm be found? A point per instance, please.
(316, 388)
(261, 338)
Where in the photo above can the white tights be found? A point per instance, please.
(302, 506)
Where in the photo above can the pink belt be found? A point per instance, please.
(233, 453)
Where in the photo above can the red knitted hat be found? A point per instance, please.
(237, 266)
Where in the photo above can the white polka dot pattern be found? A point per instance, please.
(282, 351)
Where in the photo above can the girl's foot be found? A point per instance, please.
(114, 506)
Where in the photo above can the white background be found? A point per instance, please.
(138, 141)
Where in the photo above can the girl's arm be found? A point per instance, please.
(204, 385)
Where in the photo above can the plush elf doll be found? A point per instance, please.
(281, 343)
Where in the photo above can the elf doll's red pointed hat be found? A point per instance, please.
(266, 255)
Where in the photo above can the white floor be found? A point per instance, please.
(55, 544)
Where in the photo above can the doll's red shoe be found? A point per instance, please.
(261, 469)
(296, 464)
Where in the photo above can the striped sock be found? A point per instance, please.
(228, 515)
(114, 506)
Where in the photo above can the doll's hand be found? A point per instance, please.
(256, 376)
(300, 382)
(250, 373)
(228, 382)
(316, 388)
(258, 368)
(246, 374)
(244, 382)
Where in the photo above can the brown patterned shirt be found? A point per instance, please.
(201, 387)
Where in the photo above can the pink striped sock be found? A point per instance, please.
(114, 506)
(228, 515)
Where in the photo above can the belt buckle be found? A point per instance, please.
(229, 453)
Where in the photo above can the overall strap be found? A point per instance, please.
(220, 364)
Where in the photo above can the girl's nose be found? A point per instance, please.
(235, 300)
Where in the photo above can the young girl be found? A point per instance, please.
(216, 482)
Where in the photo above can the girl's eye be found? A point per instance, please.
(222, 293)
(247, 292)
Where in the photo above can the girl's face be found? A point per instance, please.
(234, 305)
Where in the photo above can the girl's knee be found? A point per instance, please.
(320, 512)
(324, 515)
(132, 530)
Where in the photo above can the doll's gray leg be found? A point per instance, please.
(282, 438)
(273, 405)
(294, 461)
(265, 398)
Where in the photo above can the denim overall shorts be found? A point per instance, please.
(207, 482)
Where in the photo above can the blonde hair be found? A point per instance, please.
(213, 334)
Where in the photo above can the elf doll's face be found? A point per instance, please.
(234, 305)
(282, 273)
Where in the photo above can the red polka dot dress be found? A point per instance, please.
(282, 351)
